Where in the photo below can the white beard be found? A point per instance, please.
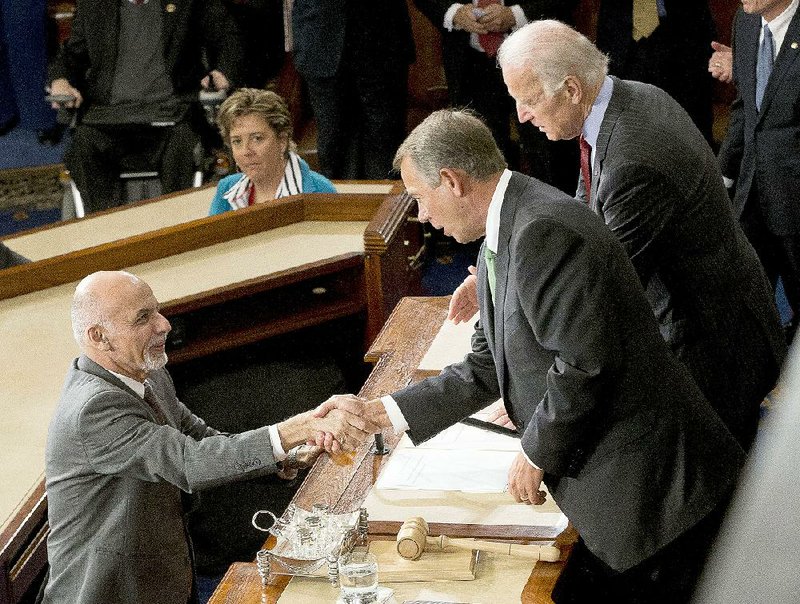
(151, 362)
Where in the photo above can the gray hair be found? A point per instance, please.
(86, 312)
(552, 51)
(87, 309)
(451, 138)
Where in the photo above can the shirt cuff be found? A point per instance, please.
(519, 16)
(728, 182)
(528, 458)
(448, 16)
(396, 416)
(275, 441)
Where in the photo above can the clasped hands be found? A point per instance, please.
(495, 18)
(345, 421)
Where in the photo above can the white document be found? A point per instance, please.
(465, 470)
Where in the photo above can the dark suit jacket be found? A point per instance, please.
(378, 33)
(633, 453)
(657, 185)
(674, 57)
(761, 151)
(88, 58)
(114, 484)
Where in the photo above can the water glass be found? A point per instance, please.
(358, 578)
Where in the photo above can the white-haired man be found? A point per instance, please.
(122, 450)
(650, 175)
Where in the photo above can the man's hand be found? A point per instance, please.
(497, 18)
(499, 416)
(349, 430)
(217, 78)
(299, 458)
(524, 481)
(372, 412)
(464, 301)
(465, 19)
(61, 86)
(720, 65)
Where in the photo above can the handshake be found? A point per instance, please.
(342, 423)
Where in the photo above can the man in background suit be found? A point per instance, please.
(665, 43)
(609, 419)
(656, 184)
(122, 451)
(761, 151)
(135, 69)
(354, 56)
(474, 80)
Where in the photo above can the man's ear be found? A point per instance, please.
(454, 180)
(97, 338)
(574, 89)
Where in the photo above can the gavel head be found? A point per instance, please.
(411, 538)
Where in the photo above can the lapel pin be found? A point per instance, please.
(794, 45)
(170, 8)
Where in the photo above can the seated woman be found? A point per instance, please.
(257, 127)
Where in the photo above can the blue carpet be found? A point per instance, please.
(21, 149)
(444, 272)
(13, 221)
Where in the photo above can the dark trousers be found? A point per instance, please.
(678, 64)
(668, 577)
(474, 81)
(361, 119)
(23, 65)
(779, 254)
(98, 154)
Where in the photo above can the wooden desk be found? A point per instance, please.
(396, 353)
(226, 280)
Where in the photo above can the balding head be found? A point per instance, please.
(94, 298)
(552, 50)
(116, 322)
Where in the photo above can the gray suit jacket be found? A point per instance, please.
(657, 185)
(115, 480)
(761, 150)
(633, 453)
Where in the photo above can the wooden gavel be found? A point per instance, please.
(412, 540)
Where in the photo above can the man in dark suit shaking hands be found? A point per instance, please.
(761, 151)
(609, 419)
(648, 172)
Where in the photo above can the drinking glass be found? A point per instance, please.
(358, 578)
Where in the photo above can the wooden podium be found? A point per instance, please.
(396, 353)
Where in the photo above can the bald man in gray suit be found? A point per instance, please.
(123, 451)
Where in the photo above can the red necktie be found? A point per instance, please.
(586, 158)
(490, 42)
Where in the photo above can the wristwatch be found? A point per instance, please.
(291, 458)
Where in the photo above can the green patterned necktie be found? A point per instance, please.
(489, 255)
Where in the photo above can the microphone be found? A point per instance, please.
(379, 447)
